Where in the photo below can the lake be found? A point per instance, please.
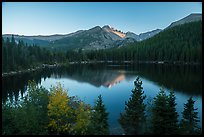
(114, 82)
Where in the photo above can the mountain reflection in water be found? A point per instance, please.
(186, 79)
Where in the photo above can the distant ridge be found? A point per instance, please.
(97, 37)
(190, 18)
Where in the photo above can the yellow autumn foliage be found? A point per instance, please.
(59, 113)
(67, 116)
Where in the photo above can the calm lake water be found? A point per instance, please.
(114, 82)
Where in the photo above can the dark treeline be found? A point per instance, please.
(20, 55)
(180, 44)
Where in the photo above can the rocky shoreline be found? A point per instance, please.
(29, 70)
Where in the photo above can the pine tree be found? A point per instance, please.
(13, 40)
(190, 118)
(160, 113)
(100, 118)
(133, 119)
(172, 114)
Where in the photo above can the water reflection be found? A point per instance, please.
(185, 79)
(14, 87)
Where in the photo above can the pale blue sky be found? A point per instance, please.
(46, 18)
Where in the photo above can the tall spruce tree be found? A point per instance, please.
(160, 113)
(100, 118)
(189, 122)
(172, 122)
(133, 119)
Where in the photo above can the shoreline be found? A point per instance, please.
(28, 70)
(92, 62)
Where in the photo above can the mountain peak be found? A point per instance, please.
(96, 28)
(106, 27)
(129, 32)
